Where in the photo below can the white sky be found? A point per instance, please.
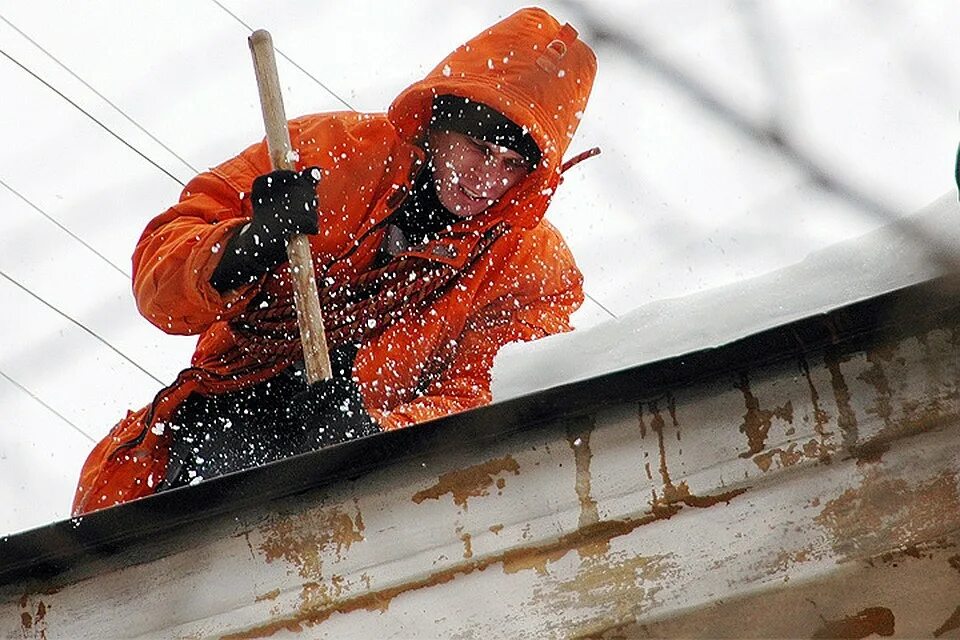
(680, 200)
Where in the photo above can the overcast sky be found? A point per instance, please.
(737, 137)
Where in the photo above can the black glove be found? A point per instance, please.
(284, 204)
(332, 411)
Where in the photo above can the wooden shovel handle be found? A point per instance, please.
(282, 156)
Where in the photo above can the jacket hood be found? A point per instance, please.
(533, 70)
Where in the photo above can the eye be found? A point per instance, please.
(479, 145)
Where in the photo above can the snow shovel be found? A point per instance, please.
(282, 156)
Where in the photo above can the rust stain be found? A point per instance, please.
(672, 409)
(33, 624)
(39, 622)
(590, 537)
(756, 421)
(847, 419)
(467, 545)
(303, 540)
(657, 424)
(786, 559)
(870, 452)
(472, 482)
(812, 450)
(929, 413)
(679, 493)
(919, 417)
(496, 529)
(578, 436)
(622, 587)
(533, 557)
(467, 483)
(888, 512)
(918, 551)
(901, 416)
(877, 378)
(246, 536)
(954, 562)
(874, 620)
(643, 426)
(953, 622)
(820, 417)
(270, 595)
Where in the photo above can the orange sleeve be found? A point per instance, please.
(553, 291)
(178, 251)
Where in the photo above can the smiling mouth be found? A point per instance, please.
(473, 195)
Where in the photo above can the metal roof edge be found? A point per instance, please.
(149, 524)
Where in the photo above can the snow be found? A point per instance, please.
(892, 257)
(680, 201)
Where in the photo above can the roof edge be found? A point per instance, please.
(64, 546)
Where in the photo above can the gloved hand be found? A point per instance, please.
(284, 204)
(332, 411)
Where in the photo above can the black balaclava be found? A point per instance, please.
(475, 119)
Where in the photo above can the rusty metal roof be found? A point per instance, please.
(149, 526)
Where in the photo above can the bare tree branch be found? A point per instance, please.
(602, 33)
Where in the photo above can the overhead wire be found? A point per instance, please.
(154, 163)
(66, 230)
(70, 233)
(103, 126)
(286, 57)
(79, 324)
(107, 100)
(39, 400)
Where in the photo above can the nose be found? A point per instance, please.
(492, 168)
(490, 177)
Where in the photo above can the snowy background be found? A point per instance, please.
(738, 137)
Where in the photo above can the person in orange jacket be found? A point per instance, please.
(431, 252)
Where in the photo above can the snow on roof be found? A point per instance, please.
(898, 255)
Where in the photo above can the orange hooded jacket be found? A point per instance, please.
(429, 362)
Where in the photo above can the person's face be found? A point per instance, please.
(470, 174)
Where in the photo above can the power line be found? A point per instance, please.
(64, 229)
(46, 406)
(89, 115)
(141, 154)
(98, 94)
(597, 302)
(79, 324)
(287, 58)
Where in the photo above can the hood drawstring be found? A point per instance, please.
(577, 159)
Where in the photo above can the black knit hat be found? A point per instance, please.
(475, 119)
